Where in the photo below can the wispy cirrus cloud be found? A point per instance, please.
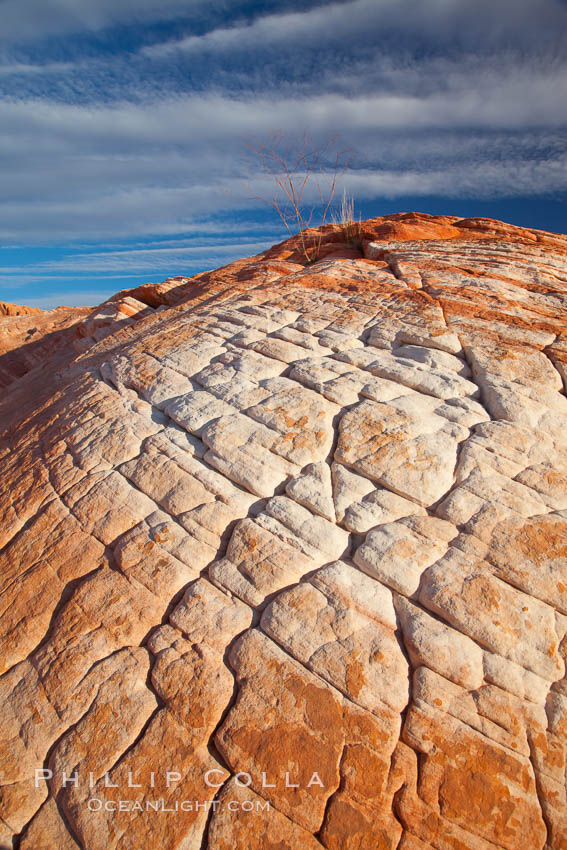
(131, 129)
(40, 18)
(480, 25)
(66, 298)
(18, 68)
(121, 169)
(154, 258)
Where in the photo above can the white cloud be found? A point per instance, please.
(77, 298)
(513, 96)
(129, 267)
(516, 20)
(32, 19)
(154, 258)
(482, 117)
(116, 170)
(483, 180)
(480, 24)
(28, 68)
(155, 210)
(13, 278)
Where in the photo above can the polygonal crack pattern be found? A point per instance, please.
(311, 537)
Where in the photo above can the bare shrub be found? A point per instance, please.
(300, 169)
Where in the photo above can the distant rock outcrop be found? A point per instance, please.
(297, 535)
(31, 338)
(16, 309)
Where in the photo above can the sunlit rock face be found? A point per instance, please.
(289, 541)
(29, 337)
(7, 309)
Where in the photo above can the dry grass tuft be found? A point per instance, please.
(344, 218)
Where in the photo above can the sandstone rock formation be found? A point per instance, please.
(29, 337)
(299, 532)
(7, 309)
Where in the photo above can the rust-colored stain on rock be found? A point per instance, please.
(301, 531)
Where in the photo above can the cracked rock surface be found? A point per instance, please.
(301, 530)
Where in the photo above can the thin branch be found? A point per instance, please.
(295, 163)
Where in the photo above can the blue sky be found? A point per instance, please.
(123, 125)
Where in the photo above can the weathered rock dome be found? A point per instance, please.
(289, 542)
